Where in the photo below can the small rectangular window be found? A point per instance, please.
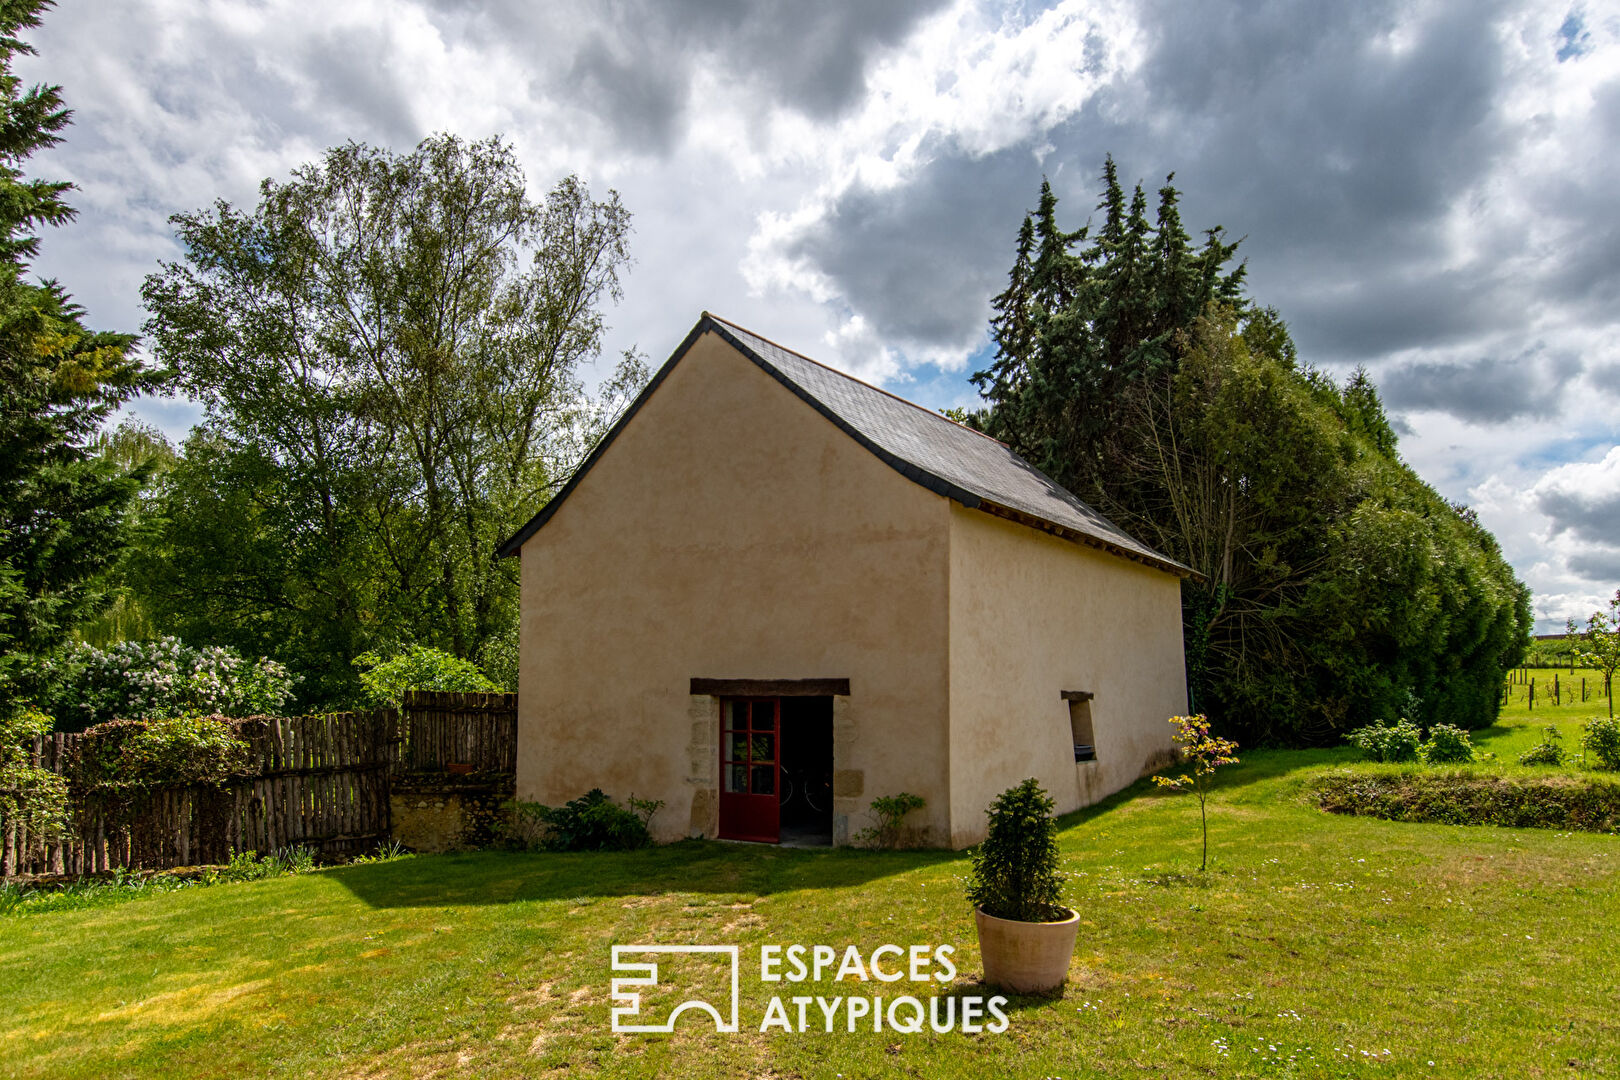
(1085, 744)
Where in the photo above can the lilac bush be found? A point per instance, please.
(142, 680)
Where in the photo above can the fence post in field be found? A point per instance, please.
(1532, 693)
(1557, 699)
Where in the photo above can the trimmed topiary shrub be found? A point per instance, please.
(1015, 870)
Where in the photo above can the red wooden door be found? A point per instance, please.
(750, 769)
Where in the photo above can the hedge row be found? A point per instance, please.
(1586, 804)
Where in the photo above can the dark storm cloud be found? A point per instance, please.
(1338, 156)
(1281, 125)
(645, 101)
(811, 57)
(923, 263)
(354, 78)
(1336, 152)
(1601, 565)
(1489, 390)
(1590, 516)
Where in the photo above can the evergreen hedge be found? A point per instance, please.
(1579, 803)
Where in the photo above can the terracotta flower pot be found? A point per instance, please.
(1027, 958)
(460, 768)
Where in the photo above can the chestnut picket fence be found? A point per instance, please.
(321, 782)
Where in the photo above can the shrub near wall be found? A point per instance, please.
(1584, 804)
(141, 680)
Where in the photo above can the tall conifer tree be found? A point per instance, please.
(1333, 586)
(61, 508)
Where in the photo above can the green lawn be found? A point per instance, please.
(1520, 726)
(1315, 946)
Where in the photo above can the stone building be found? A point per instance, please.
(774, 592)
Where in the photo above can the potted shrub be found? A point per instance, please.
(1026, 936)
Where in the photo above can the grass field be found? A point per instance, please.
(1520, 727)
(1316, 946)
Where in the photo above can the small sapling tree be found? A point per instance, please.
(1206, 754)
(1600, 644)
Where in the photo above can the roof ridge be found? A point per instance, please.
(854, 379)
(998, 481)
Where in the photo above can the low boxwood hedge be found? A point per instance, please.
(1583, 803)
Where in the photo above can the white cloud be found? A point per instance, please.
(1551, 528)
(1490, 306)
(970, 81)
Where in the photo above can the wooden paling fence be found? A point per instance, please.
(321, 782)
(442, 729)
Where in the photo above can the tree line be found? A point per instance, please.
(1333, 586)
(387, 348)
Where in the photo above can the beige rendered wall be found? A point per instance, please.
(731, 531)
(1033, 615)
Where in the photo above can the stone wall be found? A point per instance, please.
(433, 812)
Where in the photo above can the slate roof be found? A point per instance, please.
(952, 460)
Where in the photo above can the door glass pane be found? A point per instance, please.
(764, 747)
(764, 716)
(737, 746)
(764, 780)
(737, 779)
(737, 714)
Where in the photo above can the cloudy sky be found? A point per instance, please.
(1426, 188)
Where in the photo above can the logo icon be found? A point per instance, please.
(631, 999)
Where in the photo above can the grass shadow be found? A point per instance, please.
(1015, 1003)
(1258, 766)
(690, 866)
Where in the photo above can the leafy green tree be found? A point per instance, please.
(1332, 582)
(1078, 333)
(62, 509)
(417, 667)
(387, 347)
(140, 449)
(1599, 644)
(240, 549)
